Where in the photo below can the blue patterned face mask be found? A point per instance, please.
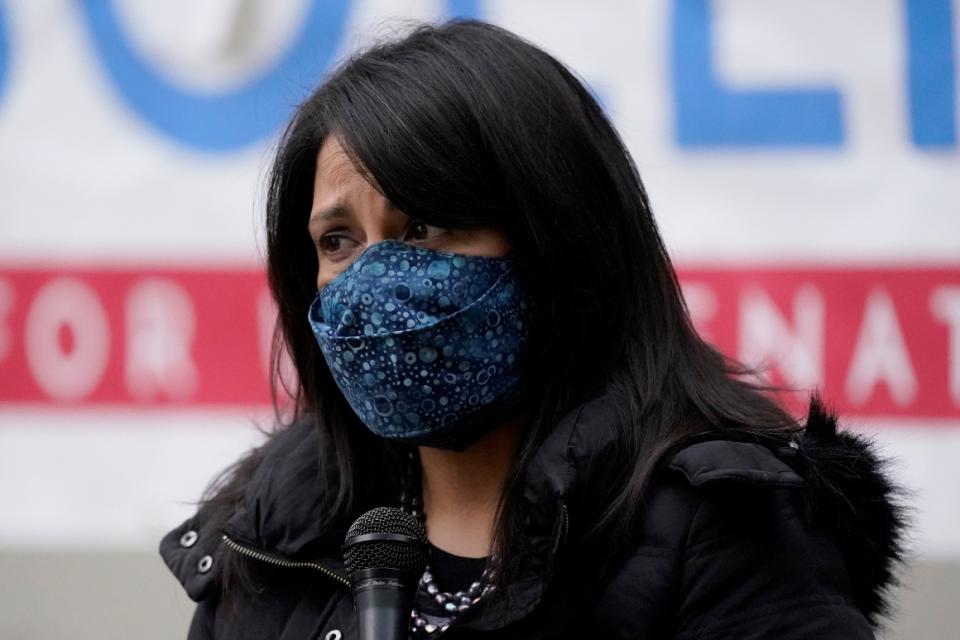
(426, 346)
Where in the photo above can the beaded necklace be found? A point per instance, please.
(453, 604)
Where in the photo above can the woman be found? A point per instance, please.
(488, 332)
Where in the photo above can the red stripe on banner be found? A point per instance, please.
(875, 341)
(130, 336)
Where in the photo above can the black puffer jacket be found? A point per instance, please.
(737, 540)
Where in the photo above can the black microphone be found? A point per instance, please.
(386, 553)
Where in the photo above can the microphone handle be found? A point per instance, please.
(383, 607)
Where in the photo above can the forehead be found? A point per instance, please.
(340, 190)
(335, 170)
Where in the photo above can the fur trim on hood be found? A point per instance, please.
(851, 491)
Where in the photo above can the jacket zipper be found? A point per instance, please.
(564, 524)
(282, 562)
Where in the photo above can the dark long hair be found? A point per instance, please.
(467, 124)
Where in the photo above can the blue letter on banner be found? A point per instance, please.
(4, 53)
(463, 8)
(710, 115)
(931, 73)
(230, 119)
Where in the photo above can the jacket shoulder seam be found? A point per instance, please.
(719, 461)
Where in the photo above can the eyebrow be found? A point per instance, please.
(330, 213)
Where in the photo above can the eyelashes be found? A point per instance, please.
(414, 227)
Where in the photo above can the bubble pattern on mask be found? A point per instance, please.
(418, 338)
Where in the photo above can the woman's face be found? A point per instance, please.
(349, 215)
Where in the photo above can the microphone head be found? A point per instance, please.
(386, 538)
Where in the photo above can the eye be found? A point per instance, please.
(330, 243)
(420, 230)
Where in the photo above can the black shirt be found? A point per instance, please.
(454, 573)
